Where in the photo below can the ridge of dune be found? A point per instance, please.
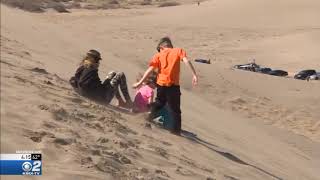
(238, 125)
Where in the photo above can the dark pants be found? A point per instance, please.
(114, 81)
(170, 95)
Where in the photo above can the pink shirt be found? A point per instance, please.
(141, 99)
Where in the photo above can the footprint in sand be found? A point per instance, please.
(95, 152)
(59, 113)
(38, 136)
(120, 128)
(160, 151)
(95, 125)
(43, 107)
(103, 140)
(147, 126)
(165, 143)
(48, 82)
(64, 141)
(184, 172)
(230, 177)
(76, 100)
(85, 115)
(125, 144)
(210, 178)
(133, 153)
(86, 161)
(50, 125)
(108, 165)
(143, 170)
(39, 70)
(237, 100)
(124, 160)
(117, 156)
(162, 173)
(112, 165)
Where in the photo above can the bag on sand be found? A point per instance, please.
(206, 61)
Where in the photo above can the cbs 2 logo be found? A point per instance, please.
(36, 166)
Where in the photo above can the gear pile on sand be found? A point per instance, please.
(302, 75)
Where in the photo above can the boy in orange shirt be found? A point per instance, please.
(167, 62)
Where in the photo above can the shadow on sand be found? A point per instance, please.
(194, 138)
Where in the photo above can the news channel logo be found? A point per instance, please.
(26, 166)
(21, 164)
(31, 168)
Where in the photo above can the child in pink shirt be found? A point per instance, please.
(144, 95)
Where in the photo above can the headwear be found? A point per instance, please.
(94, 54)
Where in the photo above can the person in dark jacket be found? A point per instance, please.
(87, 83)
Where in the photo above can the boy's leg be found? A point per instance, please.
(174, 101)
(120, 80)
(160, 102)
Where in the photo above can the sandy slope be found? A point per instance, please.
(240, 125)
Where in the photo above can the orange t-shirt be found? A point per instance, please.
(168, 64)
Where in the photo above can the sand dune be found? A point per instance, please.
(237, 124)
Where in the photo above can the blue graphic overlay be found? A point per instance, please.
(20, 164)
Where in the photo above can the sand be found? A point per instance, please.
(237, 124)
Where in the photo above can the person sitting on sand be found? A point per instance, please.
(87, 82)
(167, 62)
(145, 94)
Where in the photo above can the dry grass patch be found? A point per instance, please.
(167, 4)
(146, 2)
(37, 5)
(28, 5)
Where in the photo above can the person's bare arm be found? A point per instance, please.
(151, 99)
(195, 76)
(144, 77)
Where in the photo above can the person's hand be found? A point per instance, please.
(136, 85)
(194, 80)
